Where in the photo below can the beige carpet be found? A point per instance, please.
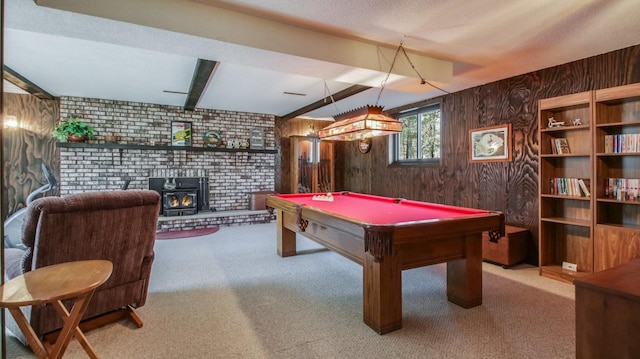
(229, 295)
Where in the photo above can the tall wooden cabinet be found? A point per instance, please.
(596, 226)
(312, 167)
(566, 226)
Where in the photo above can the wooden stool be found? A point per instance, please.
(53, 284)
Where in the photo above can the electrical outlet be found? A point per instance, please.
(570, 266)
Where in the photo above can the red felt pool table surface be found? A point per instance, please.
(387, 236)
(380, 210)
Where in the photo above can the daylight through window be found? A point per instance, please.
(419, 140)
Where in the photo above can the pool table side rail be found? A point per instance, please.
(380, 238)
(481, 222)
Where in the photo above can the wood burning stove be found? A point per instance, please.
(197, 185)
(179, 202)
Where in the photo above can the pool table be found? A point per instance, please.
(387, 236)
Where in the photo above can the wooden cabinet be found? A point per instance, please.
(593, 225)
(312, 167)
(617, 174)
(566, 230)
(608, 313)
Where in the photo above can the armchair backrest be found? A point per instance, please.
(119, 226)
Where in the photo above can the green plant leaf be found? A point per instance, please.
(72, 126)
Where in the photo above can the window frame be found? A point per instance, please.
(394, 140)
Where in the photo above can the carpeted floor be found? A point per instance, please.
(187, 233)
(229, 295)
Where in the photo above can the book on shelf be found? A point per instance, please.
(584, 185)
(573, 187)
(633, 189)
(622, 189)
(561, 146)
(622, 143)
(611, 187)
(608, 144)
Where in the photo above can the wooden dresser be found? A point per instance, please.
(608, 313)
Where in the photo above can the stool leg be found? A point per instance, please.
(70, 328)
(79, 335)
(29, 333)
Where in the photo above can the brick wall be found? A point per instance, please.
(232, 175)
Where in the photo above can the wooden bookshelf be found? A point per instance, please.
(566, 224)
(617, 215)
(602, 230)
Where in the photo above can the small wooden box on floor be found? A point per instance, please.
(258, 200)
(509, 250)
(608, 313)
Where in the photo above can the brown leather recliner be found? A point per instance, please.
(119, 226)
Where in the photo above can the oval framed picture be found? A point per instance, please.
(212, 139)
(364, 146)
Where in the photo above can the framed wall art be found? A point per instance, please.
(490, 144)
(256, 139)
(181, 133)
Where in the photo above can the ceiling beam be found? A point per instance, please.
(204, 19)
(23, 83)
(201, 76)
(341, 95)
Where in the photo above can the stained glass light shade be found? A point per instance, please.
(361, 123)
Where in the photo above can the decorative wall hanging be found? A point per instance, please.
(490, 144)
(364, 145)
(180, 133)
(256, 139)
(212, 139)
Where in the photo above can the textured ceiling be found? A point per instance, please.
(137, 50)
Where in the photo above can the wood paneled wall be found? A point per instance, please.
(511, 187)
(25, 148)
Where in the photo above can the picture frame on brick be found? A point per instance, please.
(181, 133)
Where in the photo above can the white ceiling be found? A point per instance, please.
(135, 50)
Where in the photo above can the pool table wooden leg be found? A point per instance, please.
(464, 276)
(286, 237)
(382, 297)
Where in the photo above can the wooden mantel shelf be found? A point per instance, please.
(120, 146)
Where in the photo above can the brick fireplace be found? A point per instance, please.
(231, 176)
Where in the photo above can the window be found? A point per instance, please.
(419, 140)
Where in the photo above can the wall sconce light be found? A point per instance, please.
(10, 122)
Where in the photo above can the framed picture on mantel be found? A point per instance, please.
(181, 133)
(256, 139)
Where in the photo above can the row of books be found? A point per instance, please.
(629, 142)
(560, 145)
(576, 187)
(622, 189)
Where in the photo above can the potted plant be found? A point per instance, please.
(72, 130)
